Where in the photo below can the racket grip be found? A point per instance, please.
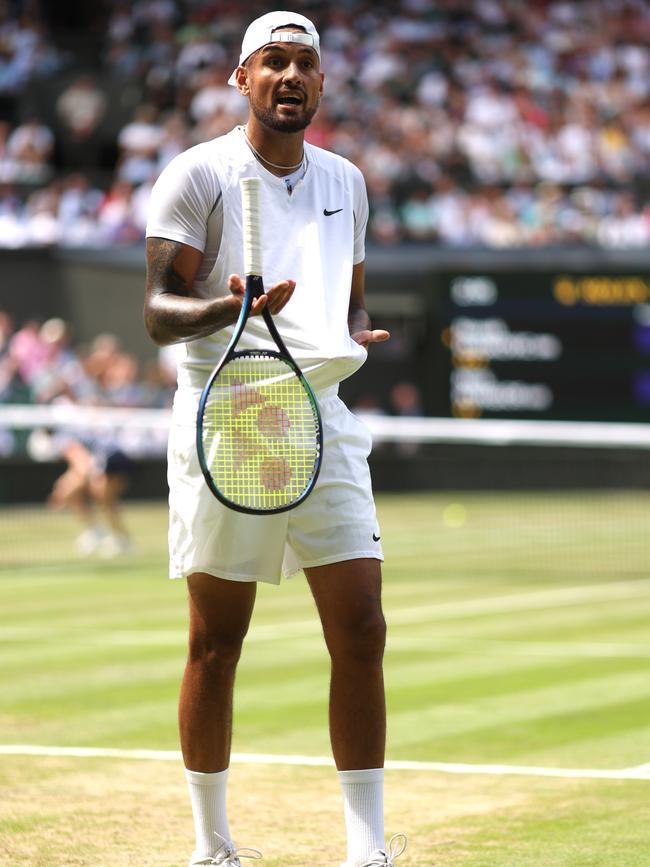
(251, 194)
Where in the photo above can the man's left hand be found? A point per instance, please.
(367, 337)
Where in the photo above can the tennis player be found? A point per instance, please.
(97, 475)
(315, 212)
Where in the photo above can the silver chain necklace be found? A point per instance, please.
(268, 162)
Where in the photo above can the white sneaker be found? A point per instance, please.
(227, 855)
(114, 545)
(381, 858)
(90, 541)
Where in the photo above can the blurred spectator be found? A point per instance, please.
(159, 383)
(200, 51)
(214, 96)
(625, 228)
(59, 373)
(115, 218)
(41, 222)
(417, 216)
(139, 142)
(175, 138)
(78, 207)
(406, 399)
(42, 357)
(30, 147)
(122, 386)
(81, 108)
(28, 351)
(102, 353)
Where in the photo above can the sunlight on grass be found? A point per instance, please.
(518, 635)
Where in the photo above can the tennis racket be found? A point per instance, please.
(259, 433)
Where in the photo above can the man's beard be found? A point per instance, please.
(270, 119)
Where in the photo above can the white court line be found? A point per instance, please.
(639, 773)
(642, 768)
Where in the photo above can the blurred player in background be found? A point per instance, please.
(97, 475)
(314, 232)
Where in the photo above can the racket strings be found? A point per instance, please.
(261, 435)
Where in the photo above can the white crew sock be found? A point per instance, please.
(208, 799)
(363, 806)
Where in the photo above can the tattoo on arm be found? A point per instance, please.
(162, 275)
(172, 311)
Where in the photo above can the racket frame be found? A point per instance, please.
(255, 289)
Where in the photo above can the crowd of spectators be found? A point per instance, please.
(476, 122)
(41, 363)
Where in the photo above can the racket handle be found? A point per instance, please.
(251, 194)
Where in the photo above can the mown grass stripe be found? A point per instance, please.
(464, 716)
(534, 600)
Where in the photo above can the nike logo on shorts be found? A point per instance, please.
(329, 213)
(375, 538)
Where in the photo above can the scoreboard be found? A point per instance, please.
(544, 345)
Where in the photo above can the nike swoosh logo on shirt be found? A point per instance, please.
(329, 213)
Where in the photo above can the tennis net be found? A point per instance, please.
(504, 497)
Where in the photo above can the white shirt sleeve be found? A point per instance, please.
(183, 198)
(360, 216)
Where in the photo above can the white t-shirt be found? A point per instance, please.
(313, 234)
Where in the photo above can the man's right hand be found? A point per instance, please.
(276, 297)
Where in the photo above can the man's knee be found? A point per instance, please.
(216, 640)
(216, 650)
(219, 617)
(361, 638)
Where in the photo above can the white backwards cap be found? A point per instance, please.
(260, 33)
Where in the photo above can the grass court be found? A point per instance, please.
(518, 681)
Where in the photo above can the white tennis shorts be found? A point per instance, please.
(336, 522)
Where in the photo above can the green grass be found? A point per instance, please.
(518, 635)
